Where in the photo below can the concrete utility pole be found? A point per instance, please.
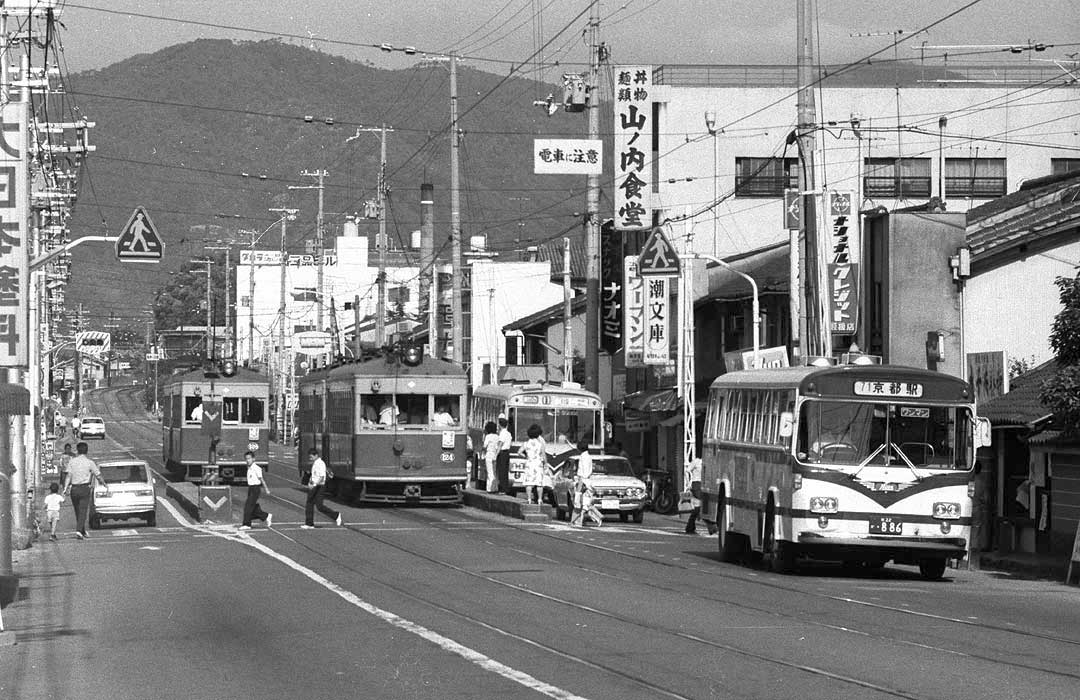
(209, 310)
(592, 213)
(455, 220)
(380, 242)
(319, 242)
(251, 299)
(568, 313)
(280, 373)
(813, 330)
(230, 351)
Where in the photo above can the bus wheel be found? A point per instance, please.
(732, 545)
(932, 569)
(778, 555)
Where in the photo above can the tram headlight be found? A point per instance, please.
(824, 504)
(947, 511)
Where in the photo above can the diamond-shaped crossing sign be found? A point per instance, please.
(658, 257)
(139, 240)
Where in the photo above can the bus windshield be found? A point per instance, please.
(846, 434)
(560, 425)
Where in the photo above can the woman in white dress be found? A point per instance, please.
(535, 463)
(491, 453)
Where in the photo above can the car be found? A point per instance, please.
(130, 495)
(615, 488)
(92, 426)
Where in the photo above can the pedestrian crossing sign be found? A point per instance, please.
(658, 257)
(139, 240)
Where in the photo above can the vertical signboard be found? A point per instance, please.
(634, 317)
(841, 267)
(611, 289)
(633, 145)
(14, 240)
(988, 374)
(657, 310)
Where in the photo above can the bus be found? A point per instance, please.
(390, 431)
(189, 444)
(565, 412)
(863, 464)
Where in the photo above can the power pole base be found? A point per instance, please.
(9, 584)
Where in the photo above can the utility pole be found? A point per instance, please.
(280, 373)
(812, 330)
(319, 242)
(251, 299)
(230, 352)
(592, 212)
(455, 220)
(209, 310)
(568, 312)
(380, 242)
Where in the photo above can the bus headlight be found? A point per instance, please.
(947, 511)
(824, 504)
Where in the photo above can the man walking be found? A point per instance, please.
(256, 485)
(502, 460)
(316, 487)
(81, 474)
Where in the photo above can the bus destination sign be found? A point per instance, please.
(905, 390)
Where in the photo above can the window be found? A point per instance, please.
(1060, 166)
(193, 409)
(979, 178)
(412, 409)
(765, 177)
(897, 178)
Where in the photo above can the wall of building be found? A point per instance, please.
(1012, 307)
(757, 120)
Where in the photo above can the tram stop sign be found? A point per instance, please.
(139, 240)
(211, 418)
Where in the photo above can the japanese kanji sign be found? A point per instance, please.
(842, 266)
(611, 288)
(634, 317)
(657, 310)
(14, 237)
(658, 257)
(633, 146)
(568, 156)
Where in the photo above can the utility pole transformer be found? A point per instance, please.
(592, 220)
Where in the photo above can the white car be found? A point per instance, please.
(615, 488)
(92, 426)
(130, 495)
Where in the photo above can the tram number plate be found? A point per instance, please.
(609, 504)
(882, 525)
(447, 456)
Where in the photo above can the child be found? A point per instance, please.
(52, 508)
(584, 505)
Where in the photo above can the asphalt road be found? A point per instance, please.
(457, 603)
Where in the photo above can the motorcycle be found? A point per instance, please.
(660, 490)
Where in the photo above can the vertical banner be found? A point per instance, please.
(14, 237)
(633, 145)
(611, 289)
(657, 322)
(634, 316)
(842, 266)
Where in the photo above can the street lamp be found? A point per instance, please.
(755, 308)
(710, 124)
(942, 122)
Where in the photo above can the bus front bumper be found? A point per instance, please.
(900, 549)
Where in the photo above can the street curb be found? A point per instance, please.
(507, 505)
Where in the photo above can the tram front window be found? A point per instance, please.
(252, 411)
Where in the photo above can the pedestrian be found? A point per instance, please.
(52, 508)
(582, 485)
(65, 459)
(81, 475)
(585, 505)
(316, 486)
(502, 460)
(75, 423)
(491, 456)
(256, 484)
(692, 481)
(535, 463)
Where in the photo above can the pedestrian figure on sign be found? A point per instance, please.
(81, 475)
(52, 509)
(535, 463)
(256, 484)
(316, 487)
(138, 230)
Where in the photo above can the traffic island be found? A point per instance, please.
(509, 506)
(202, 502)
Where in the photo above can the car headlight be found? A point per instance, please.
(824, 504)
(947, 511)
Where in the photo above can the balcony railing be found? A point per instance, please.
(975, 187)
(896, 188)
(763, 185)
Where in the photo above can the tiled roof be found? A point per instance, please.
(579, 261)
(768, 266)
(1022, 217)
(551, 313)
(1021, 405)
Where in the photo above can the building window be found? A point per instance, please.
(1060, 166)
(979, 178)
(765, 177)
(897, 178)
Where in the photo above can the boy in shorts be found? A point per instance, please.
(52, 508)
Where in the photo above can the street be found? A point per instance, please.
(459, 603)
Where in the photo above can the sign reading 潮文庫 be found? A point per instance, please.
(633, 144)
(657, 312)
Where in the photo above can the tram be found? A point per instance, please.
(212, 418)
(391, 428)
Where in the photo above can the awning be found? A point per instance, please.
(653, 400)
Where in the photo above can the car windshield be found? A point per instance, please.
(123, 473)
(560, 426)
(612, 467)
(882, 434)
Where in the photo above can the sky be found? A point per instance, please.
(495, 35)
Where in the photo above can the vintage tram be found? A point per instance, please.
(391, 428)
(211, 418)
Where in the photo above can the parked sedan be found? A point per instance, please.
(615, 488)
(130, 494)
(92, 427)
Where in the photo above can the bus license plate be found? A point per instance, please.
(882, 525)
(609, 504)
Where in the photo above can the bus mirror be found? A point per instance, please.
(982, 432)
(787, 424)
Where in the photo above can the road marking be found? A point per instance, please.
(445, 643)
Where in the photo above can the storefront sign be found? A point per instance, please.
(611, 289)
(633, 145)
(14, 237)
(987, 374)
(634, 317)
(657, 310)
(273, 257)
(842, 267)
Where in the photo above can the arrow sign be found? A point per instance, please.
(211, 418)
(139, 240)
(214, 505)
(658, 257)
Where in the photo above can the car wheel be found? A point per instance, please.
(151, 519)
(639, 515)
(95, 521)
(624, 516)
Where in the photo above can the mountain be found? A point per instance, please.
(209, 135)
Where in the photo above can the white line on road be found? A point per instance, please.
(445, 643)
